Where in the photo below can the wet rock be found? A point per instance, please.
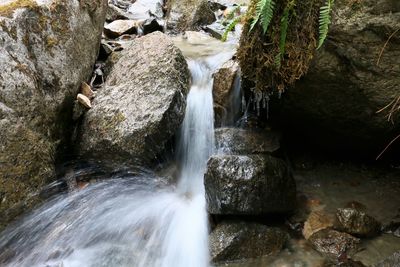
(334, 244)
(189, 15)
(225, 80)
(238, 141)
(392, 261)
(343, 116)
(251, 185)
(316, 221)
(239, 240)
(358, 223)
(42, 66)
(141, 105)
(120, 27)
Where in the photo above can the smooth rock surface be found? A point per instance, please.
(357, 223)
(46, 51)
(251, 185)
(142, 104)
(237, 141)
(238, 240)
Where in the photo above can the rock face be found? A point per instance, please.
(335, 104)
(46, 51)
(357, 223)
(238, 141)
(141, 105)
(334, 244)
(188, 14)
(235, 240)
(248, 185)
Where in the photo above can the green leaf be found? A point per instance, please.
(324, 21)
(264, 14)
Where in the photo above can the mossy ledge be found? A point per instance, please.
(7, 10)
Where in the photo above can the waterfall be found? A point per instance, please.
(130, 221)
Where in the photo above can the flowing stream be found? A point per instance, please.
(131, 220)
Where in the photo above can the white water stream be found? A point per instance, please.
(134, 221)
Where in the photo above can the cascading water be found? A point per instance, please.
(130, 221)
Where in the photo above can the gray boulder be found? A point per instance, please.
(238, 141)
(142, 104)
(248, 185)
(238, 240)
(46, 51)
(335, 105)
(188, 14)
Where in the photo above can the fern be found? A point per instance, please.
(324, 21)
(264, 14)
(230, 28)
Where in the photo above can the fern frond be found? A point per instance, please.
(264, 14)
(324, 21)
(230, 28)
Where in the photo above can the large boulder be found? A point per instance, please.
(142, 104)
(188, 14)
(248, 185)
(238, 240)
(352, 77)
(237, 141)
(47, 48)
